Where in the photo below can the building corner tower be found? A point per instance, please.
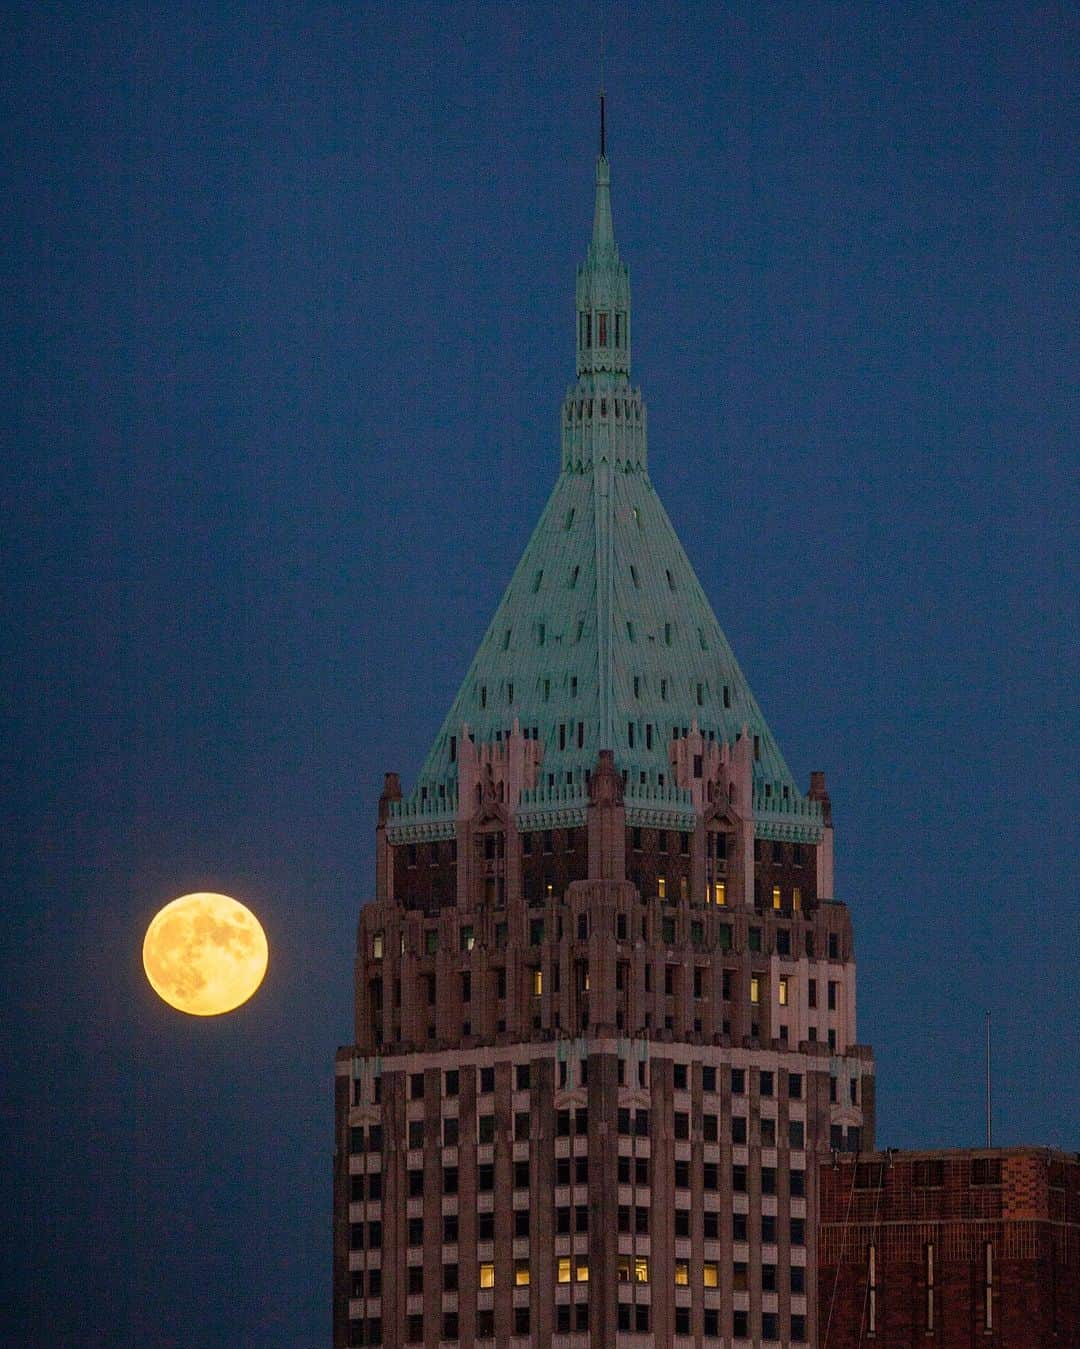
(605, 995)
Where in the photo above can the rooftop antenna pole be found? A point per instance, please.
(603, 136)
(989, 1129)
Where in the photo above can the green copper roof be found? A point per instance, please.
(604, 638)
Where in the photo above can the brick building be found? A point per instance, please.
(950, 1248)
(605, 994)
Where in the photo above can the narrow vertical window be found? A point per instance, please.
(929, 1285)
(618, 329)
(720, 893)
(782, 992)
(776, 899)
(871, 1310)
(601, 324)
(989, 1287)
(588, 330)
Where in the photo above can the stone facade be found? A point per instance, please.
(605, 994)
(950, 1249)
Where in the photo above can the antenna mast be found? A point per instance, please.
(603, 135)
(989, 1118)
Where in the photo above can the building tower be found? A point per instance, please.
(605, 997)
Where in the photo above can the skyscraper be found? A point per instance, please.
(605, 995)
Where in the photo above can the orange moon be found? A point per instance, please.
(205, 954)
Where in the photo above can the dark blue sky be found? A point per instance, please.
(288, 294)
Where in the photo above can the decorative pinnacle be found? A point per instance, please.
(603, 138)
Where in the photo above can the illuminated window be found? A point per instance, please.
(783, 992)
(641, 1269)
(521, 1273)
(468, 939)
(487, 1274)
(564, 1269)
(582, 1272)
(377, 946)
(796, 899)
(755, 988)
(537, 983)
(711, 1274)
(682, 1273)
(719, 893)
(776, 896)
(661, 886)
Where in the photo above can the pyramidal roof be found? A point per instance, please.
(604, 638)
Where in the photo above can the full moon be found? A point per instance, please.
(205, 954)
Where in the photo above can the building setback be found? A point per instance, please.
(950, 1249)
(605, 994)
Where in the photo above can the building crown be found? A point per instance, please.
(603, 639)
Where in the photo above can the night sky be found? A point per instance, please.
(288, 297)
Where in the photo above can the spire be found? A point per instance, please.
(603, 284)
(603, 233)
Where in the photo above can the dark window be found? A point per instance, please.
(679, 1076)
(708, 1079)
(487, 1079)
(738, 1081)
(738, 1128)
(798, 1182)
(986, 1171)
(682, 1124)
(416, 1231)
(798, 1231)
(765, 1083)
(449, 1278)
(738, 1179)
(794, 1084)
(768, 1227)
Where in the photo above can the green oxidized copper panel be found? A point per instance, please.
(604, 638)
